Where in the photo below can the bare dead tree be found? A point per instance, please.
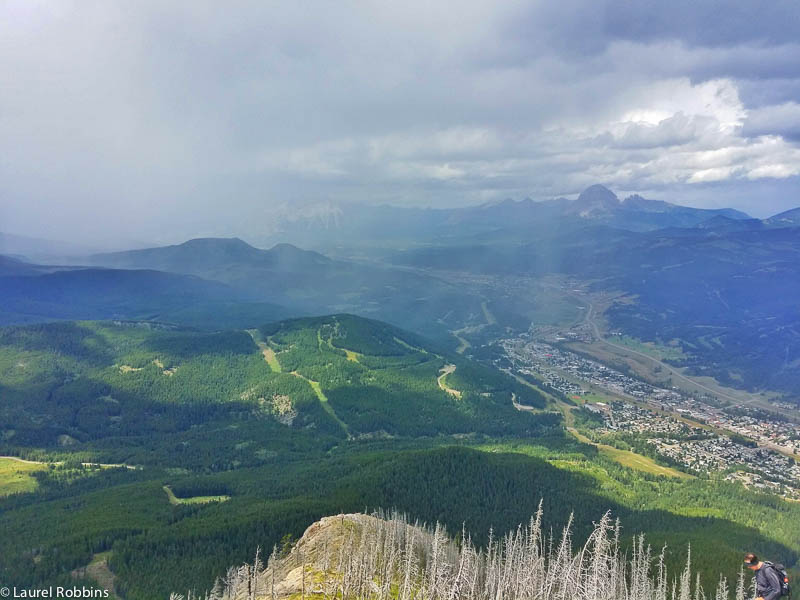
(384, 556)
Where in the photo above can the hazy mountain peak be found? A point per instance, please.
(287, 247)
(596, 199)
(233, 242)
(201, 249)
(598, 193)
(290, 252)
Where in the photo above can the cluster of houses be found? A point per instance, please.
(763, 457)
(552, 363)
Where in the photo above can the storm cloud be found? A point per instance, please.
(155, 121)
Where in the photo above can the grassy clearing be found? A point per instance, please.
(174, 500)
(624, 457)
(323, 399)
(351, 356)
(658, 351)
(641, 463)
(631, 460)
(271, 358)
(269, 353)
(408, 346)
(15, 476)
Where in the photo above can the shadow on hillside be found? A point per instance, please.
(67, 338)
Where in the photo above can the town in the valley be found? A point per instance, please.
(699, 434)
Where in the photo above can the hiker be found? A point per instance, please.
(769, 585)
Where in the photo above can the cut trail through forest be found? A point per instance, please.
(272, 360)
(323, 399)
(266, 350)
(445, 371)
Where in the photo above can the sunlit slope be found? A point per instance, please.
(259, 433)
(383, 381)
(94, 388)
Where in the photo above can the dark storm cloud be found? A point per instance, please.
(576, 26)
(162, 120)
(783, 120)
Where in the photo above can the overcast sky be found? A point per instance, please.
(158, 120)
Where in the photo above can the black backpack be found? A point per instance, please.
(783, 576)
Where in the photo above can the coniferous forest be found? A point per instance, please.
(201, 447)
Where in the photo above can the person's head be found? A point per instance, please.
(751, 562)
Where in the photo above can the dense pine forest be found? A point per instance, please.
(180, 452)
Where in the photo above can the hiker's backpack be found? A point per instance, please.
(782, 575)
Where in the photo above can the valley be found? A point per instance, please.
(513, 361)
(259, 456)
(399, 301)
(626, 404)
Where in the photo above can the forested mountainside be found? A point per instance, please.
(232, 440)
(94, 386)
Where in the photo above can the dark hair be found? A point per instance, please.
(750, 559)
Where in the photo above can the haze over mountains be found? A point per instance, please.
(343, 224)
(249, 423)
(267, 264)
(692, 272)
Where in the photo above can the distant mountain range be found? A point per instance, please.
(309, 282)
(598, 204)
(352, 225)
(215, 258)
(187, 282)
(688, 270)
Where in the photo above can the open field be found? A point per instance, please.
(630, 459)
(323, 399)
(351, 356)
(266, 350)
(15, 476)
(658, 351)
(174, 500)
(624, 457)
(593, 397)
